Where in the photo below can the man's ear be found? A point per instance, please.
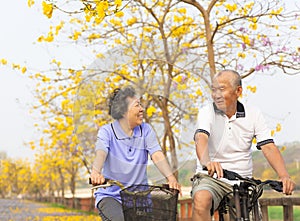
(239, 91)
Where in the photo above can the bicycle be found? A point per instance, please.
(146, 202)
(245, 196)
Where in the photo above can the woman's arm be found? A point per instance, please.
(96, 176)
(161, 163)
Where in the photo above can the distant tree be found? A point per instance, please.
(15, 177)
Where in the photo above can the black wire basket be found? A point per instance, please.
(149, 203)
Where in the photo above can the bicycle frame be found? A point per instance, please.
(245, 196)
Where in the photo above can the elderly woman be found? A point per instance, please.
(122, 150)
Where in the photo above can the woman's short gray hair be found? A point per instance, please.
(118, 103)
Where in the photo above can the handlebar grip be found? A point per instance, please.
(276, 185)
(105, 182)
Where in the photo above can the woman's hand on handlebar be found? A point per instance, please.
(214, 167)
(97, 178)
(172, 181)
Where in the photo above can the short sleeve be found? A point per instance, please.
(102, 142)
(151, 141)
(262, 131)
(205, 119)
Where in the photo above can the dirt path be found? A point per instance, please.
(23, 210)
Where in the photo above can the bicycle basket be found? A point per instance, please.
(149, 203)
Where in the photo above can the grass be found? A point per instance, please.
(59, 207)
(275, 213)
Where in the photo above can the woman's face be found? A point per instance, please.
(135, 112)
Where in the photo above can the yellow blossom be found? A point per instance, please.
(281, 58)
(253, 26)
(182, 10)
(272, 133)
(118, 41)
(118, 3)
(252, 89)
(115, 22)
(232, 7)
(150, 111)
(31, 144)
(119, 14)
(101, 8)
(246, 40)
(59, 27)
(199, 92)
(30, 3)
(131, 21)
(16, 66)
(241, 55)
(93, 36)
(3, 61)
(147, 29)
(278, 127)
(100, 55)
(24, 69)
(47, 9)
(76, 34)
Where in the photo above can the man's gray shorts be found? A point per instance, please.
(217, 188)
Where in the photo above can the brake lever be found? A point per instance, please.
(230, 175)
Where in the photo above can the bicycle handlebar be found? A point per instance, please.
(107, 183)
(110, 182)
(230, 175)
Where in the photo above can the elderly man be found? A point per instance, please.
(223, 138)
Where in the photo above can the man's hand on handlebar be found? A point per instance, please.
(97, 178)
(288, 185)
(214, 167)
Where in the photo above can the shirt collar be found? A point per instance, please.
(240, 110)
(239, 107)
(121, 135)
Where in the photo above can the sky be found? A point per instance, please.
(276, 95)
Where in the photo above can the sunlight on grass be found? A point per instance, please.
(71, 218)
(53, 210)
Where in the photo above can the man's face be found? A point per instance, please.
(135, 112)
(224, 94)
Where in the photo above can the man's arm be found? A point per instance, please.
(163, 166)
(96, 176)
(275, 159)
(201, 141)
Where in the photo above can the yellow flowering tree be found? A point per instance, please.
(169, 50)
(15, 177)
(60, 157)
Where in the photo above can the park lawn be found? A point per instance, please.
(276, 213)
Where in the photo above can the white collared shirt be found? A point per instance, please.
(230, 139)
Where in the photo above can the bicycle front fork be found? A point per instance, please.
(240, 194)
